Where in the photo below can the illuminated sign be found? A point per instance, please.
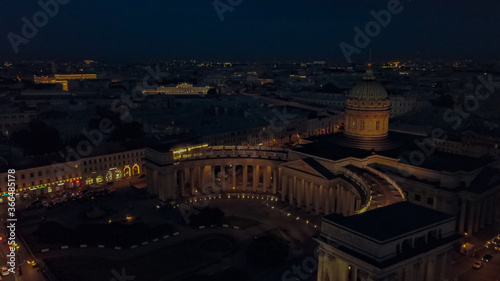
(179, 151)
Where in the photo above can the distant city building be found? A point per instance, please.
(62, 79)
(400, 105)
(180, 89)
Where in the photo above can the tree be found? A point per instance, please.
(212, 91)
(38, 139)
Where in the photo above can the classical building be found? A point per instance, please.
(50, 174)
(360, 169)
(112, 166)
(367, 116)
(400, 242)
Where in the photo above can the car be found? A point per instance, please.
(4, 271)
(487, 258)
(478, 264)
(33, 263)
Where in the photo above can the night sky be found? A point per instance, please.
(133, 30)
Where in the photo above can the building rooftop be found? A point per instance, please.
(326, 147)
(390, 221)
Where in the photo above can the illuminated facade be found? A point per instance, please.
(112, 167)
(367, 114)
(302, 181)
(87, 171)
(62, 79)
(368, 247)
(180, 89)
(43, 179)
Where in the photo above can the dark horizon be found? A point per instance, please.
(252, 31)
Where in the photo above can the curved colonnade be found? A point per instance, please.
(213, 170)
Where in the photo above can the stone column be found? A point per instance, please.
(201, 176)
(482, 220)
(182, 180)
(307, 186)
(275, 181)
(191, 180)
(470, 220)
(291, 189)
(321, 264)
(461, 224)
(212, 179)
(326, 193)
(477, 216)
(431, 268)
(163, 194)
(443, 265)
(223, 177)
(284, 186)
(255, 177)
(338, 199)
(265, 179)
(317, 200)
(300, 194)
(353, 203)
(245, 177)
(234, 176)
(349, 203)
(151, 188)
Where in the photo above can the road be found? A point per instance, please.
(28, 272)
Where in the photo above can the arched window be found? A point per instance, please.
(362, 125)
(377, 125)
(354, 124)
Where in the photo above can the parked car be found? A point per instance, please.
(487, 258)
(478, 264)
(4, 271)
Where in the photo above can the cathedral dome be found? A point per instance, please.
(369, 89)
